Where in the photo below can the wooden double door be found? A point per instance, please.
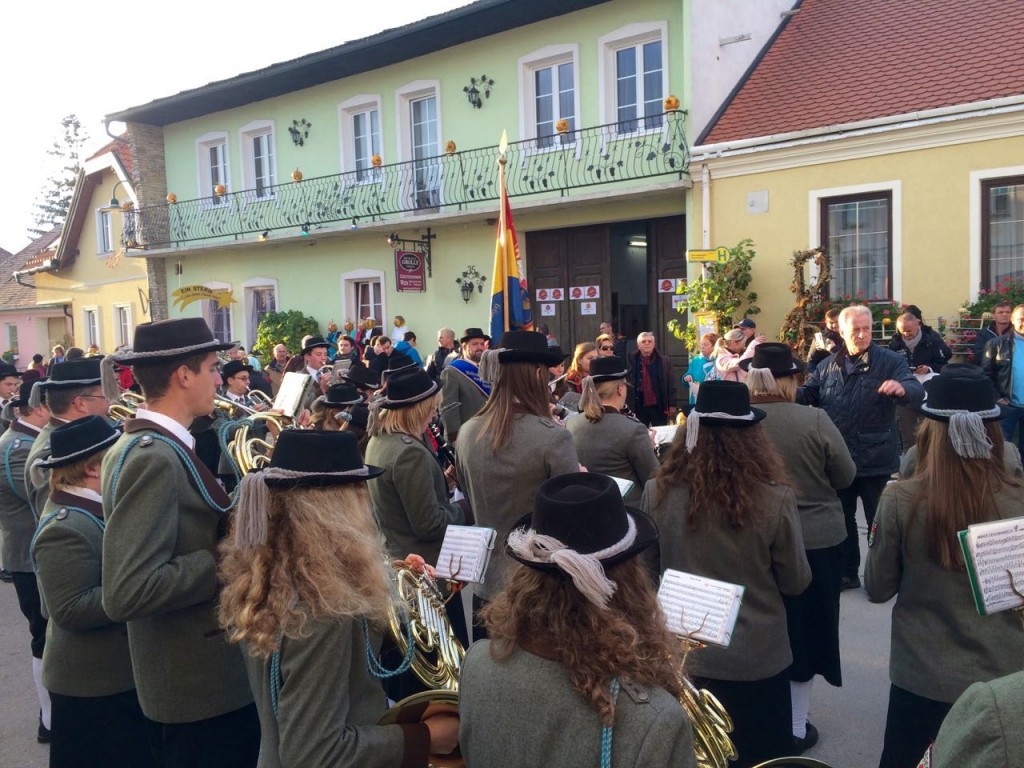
(625, 262)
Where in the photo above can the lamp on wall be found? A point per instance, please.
(114, 204)
(473, 92)
(422, 245)
(470, 279)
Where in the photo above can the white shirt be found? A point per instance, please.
(175, 428)
(84, 493)
(30, 426)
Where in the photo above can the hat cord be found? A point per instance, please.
(693, 424)
(968, 436)
(586, 570)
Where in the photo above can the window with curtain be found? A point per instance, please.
(554, 97)
(638, 86)
(857, 231)
(366, 140)
(219, 320)
(368, 300)
(426, 164)
(1002, 234)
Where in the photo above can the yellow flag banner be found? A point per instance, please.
(188, 294)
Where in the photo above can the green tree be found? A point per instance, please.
(286, 328)
(722, 290)
(53, 202)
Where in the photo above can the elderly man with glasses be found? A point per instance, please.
(650, 373)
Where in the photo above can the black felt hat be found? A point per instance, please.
(474, 333)
(608, 368)
(8, 370)
(315, 342)
(360, 416)
(399, 362)
(585, 512)
(78, 373)
(341, 396)
(776, 357)
(360, 376)
(321, 458)
(25, 392)
(234, 367)
(526, 347)
(78, 440)
(410, 388)
(731, 400)
(960, 387)
(557, 350)
(165, 340)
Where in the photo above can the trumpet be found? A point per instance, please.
(126, 406)
(233, 410)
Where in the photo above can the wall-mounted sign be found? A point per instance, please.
(410, 274)
(588, 307)
(584, 292)
(720, 255)
(547, 310)
(550, 294)
(188, 294)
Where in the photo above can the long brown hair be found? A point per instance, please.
(629, 639)
(324, 558)
(726, 472)
(518, 390)
(952, 492)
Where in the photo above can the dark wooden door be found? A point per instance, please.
(666, 243)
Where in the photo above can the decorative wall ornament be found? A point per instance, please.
(471, 278)
(476, 86)
(299, 129)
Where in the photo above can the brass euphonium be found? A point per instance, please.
(126, 406)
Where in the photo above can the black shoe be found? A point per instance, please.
(43, 733)
(808, 741)
(5, 576)
(849, 582)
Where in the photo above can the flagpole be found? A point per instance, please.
(503, 223)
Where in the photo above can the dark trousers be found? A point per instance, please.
(99, 732)
(868, 490)
(911, 724)
(652, 415)
(231, 740)
(1011, 418)
(761, 712)
(31, 608)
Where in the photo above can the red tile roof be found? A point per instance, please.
(12, 294)
(119, 147)
(842, 61)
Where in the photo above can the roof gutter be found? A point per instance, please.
(47, 266)
(1006, 105)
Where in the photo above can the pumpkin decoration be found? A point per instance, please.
(296, 175)
(450, 148)
(172, 198)
(348, 326)
(671, 103)
(376, 160)
(562, 126)
(219, 190)
(126, 205)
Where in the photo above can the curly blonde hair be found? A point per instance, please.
(324, 559)
(628, 640)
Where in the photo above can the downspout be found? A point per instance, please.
(705, 207)
(70, 316)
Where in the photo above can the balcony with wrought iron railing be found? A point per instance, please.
(459, 180)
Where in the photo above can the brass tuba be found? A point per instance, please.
(127, 404)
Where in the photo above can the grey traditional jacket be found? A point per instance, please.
(456, 387)
(86, 653)
(524, 712)
(940, 645)
(983, 730)
(160, 576)
(1011, 461)
(37, 479)
(410, 499)
(818, 463)
(616, 445)
(16, 519)
(501, 486)
(329, 704)
(767, 557)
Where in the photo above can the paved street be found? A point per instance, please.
(851, 719)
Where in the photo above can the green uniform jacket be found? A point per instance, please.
(983, 730)
(766, 556)
(37, 479)
(818, 463)
(525, 712)
(86, 653)
(618, 446)
(160, 576)
(940, 645)
(16, 518)
(329, 704)
(501, 486)
(456, 387)
(410, 499)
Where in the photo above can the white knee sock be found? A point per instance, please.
(44, 695)
(801, 694)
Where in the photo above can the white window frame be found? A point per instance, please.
(248, 289)
(404, 98)
(347, 112)
(204, 177)
(974, 218)
(895, 189)
(607, 46)
(122, 336)
(549, 56)
(349, 297)
(12, 339)
(92, 331)
(246, 135)
(207, 312)
(104, 226)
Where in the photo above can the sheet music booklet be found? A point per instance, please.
(296, 393)
(700, 608)
(993, 551)
(625, 486)
(465, 553)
